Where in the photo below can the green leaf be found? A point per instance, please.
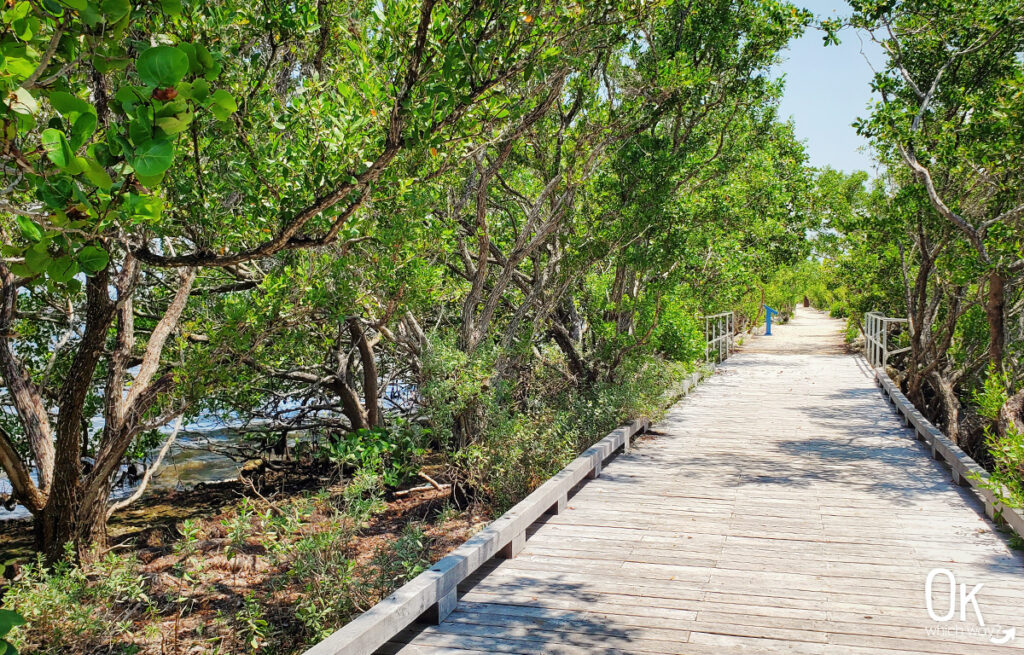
(172, 125)
(29, 230)
(20, 270)
(77, 5)
(162, 66)
(107, 64)
(22, 29)
(200, 90)
(9, 619)
(93, 259)
(152, 158)
(68, 104)
(129, 97)
(96, 174)
(58, 150)
(171, 7)
(18, 11)
(91, 14)
(62, 269)
(204, 57)
(37, 259)
(150, 181)
(115, 10)
(82, 130)
(223, 104)
(145, 208)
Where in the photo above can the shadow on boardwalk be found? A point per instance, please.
(780, 508)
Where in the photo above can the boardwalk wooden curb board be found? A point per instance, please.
(432, 594)
(964, 469)
(780, 508)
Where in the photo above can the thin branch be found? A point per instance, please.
(144, 483)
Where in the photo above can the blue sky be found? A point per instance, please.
(827, 89)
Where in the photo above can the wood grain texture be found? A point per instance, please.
(431, 596)
(780, 508)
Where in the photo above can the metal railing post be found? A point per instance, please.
(885, 345)
(719, 330)
(876, 338)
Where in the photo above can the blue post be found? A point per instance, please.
(768, 313)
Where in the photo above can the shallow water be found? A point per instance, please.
(191, 460)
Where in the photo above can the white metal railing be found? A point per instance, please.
(719, 330)
(876, 338)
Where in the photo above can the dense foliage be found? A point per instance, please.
(472, 230)
(939, 238)
(396, 226)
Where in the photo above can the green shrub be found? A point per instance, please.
(77, 608)
(1006, 479)
(400, 561)
(395, 453)
(838, 309)
(518, 450)
(852, 330)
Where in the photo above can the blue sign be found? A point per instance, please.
(768, 313)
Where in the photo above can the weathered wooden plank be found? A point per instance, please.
(434, 589)
(782, 508)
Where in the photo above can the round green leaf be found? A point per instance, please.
(68, 104)
(200, 90)
(222, 104)
(174, 124)
(62, 269)
(162, 66)
(95, 173)
(8, 620)
(171, 7)
(37, 259)
(93, 259)
(115, 10)
(152, 158)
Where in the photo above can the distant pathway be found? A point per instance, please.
(781, 508)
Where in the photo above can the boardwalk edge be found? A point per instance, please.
(964, 470)
(431, 595)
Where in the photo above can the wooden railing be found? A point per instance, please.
(432, 595)
(719, 330)
(965, 471)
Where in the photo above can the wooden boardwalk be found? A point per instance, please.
(781, 508)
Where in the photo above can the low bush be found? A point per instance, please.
(1006, 478)
(516, 451)
(71, 608)
(395, 452)
(268, 577)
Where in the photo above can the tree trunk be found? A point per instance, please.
(71, 519)
(371, 386)
(577, 366)
(994, 309)
(351, 406)
(951, 404)
(1011, 415)
(467, 425)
